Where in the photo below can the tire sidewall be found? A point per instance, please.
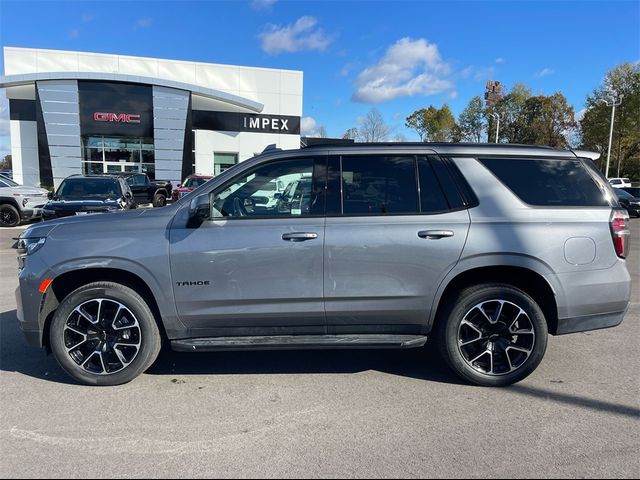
(463, 304)
(159, 200)
(14, 211)
(148, 329)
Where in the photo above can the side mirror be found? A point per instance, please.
(277, 196)
(128, 195)
(199, 210)
(50, 195)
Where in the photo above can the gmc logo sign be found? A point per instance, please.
(116, 117)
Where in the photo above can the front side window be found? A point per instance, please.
(373, 185)
(280, 188)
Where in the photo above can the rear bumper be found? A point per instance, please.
(591, 322)
(591, 300)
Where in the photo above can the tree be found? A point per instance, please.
(372, 127)
(433, 124)
(322, 132)
(350, 134)
(471, 122)
(594, 126)
(546, 120)
(510, 109)
(5, 164)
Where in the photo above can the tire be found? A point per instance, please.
(9, 215)
(88, 350)
(159, 200)
(499, 319)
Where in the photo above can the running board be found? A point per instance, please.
(298, 342)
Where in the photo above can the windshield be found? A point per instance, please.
(88, 187)
(194, 182)
(7, 182)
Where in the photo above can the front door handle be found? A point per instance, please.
(435, 234)
(299, 236)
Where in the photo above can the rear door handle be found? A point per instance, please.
(299, 236)
(435, 234)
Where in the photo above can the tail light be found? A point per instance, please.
(620, 232)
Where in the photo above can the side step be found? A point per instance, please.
(298, 342)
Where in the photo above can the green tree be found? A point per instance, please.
(471, 122)
(5, 163)
(546, 120)
(594, 127)
(433, 124)
(510, 109)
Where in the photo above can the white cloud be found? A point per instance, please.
(262, 4)
(145, 22)
(408, 67)
(500, 60)
(309, 127)
(88, 17)
(545, 72)
(303, 35)
(74, 33)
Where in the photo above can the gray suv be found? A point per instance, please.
(486, 249)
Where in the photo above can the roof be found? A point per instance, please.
(500, 149)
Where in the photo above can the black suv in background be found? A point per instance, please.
(82, 195)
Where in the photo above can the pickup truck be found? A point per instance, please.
(144, 190)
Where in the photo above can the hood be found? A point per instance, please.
(25, 191)
(82, 205)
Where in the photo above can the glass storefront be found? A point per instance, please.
(222, 161)
(103, 154)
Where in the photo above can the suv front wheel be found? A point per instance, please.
(492, 335)
(104, 334)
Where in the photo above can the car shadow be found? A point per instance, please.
(423, 363)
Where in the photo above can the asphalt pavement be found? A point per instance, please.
(323, 413)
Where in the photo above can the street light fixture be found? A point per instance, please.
(612, 102)
(496, 117)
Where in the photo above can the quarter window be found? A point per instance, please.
(548, 182)
(373, 185)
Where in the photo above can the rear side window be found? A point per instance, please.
(548, 182)
(373, 185)
(432, 199)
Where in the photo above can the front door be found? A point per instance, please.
(255, 266)
(388, 245)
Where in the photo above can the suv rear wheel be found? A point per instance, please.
(493, 334)
(9, 215)
(104, 334)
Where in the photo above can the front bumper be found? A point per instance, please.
(32, 306)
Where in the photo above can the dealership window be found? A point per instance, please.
(103, 154)
(223, 161)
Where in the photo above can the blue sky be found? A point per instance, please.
(397, 56)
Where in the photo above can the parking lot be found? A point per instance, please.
(323, 413)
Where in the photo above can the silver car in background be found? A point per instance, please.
(487, 249)
(19, 203)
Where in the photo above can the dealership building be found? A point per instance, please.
(78, 112)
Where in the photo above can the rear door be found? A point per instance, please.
(391, 236)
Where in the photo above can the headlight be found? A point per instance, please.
(27, 246)
(24, 202)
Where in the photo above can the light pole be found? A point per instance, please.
(612, 102)
(496, 117)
